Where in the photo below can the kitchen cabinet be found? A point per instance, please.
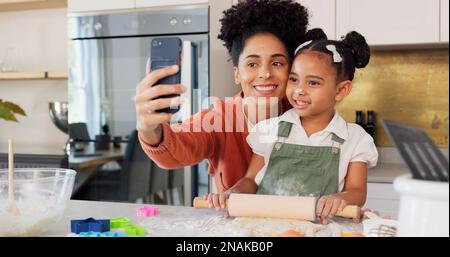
(107, 5)
(382, 197)
(444, 21)
(386, 22)
(154, 3)
(19, 5)
(99, 5)
(321, 15)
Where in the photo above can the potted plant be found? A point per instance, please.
(9, 110)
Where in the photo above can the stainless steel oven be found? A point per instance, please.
(107, 59)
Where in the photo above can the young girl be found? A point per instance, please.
(310, 150)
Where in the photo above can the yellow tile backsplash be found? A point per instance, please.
(409, 86)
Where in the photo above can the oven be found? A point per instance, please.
(108, 53)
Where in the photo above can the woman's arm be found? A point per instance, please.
(183, 148)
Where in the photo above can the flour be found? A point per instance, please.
(207, 222)
(274, 227)
(36, 214)
(213, 226)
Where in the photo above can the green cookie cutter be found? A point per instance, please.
(135, 231)
(119, 223)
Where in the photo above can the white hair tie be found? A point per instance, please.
(301, 46)
(336, 56)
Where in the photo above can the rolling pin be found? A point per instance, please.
(274, 206)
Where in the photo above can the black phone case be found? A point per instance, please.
(166, 52)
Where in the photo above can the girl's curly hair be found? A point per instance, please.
(285, 19)
(353, 49)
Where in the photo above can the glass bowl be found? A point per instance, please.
(41, 196)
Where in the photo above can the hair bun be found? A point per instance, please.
(315, 34)
(360, 48)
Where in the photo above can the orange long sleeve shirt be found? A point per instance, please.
(217, 135)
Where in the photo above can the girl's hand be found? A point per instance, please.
(328, 206)
(218, 201)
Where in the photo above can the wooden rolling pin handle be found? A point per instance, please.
(200, 203)
(350, 211)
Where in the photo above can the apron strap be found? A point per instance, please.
(284, 129)
(337, 139)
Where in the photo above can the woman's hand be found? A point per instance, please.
(328, 206)
(218, 201)
(148, 120)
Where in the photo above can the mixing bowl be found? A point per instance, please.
(41, 196)
(59, 115)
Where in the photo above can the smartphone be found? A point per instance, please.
(167, 52)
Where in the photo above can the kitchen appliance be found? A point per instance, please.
(380, 227)
(41, 196)
(422, 157)
(108, 53)
(424, 194)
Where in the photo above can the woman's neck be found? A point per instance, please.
(315, 123)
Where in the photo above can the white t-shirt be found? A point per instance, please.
(357, 147)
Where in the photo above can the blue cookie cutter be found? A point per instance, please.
(89, 225)
(99, 234)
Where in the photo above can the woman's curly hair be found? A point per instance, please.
(285, 19)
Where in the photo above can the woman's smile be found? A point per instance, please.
(265, 89)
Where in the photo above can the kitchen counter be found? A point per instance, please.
(170, 221)
(386, 172)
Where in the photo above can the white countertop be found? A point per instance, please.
(386, 172)
(179, 220)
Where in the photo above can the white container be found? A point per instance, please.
(423, 207)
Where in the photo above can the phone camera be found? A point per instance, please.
(156, 43)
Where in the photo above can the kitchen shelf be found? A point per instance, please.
(56, 75)
(26, 75)
(20, 5)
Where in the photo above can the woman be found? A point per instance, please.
(261, 36)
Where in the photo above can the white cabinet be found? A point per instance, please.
(154, 3)
(321, 15)
(382, 197)
(20, 5)
(105, 5)
(99, 5)
(386, 22)
(444, 21)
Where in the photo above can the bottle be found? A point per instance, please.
(370, 126)
(360, 118)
